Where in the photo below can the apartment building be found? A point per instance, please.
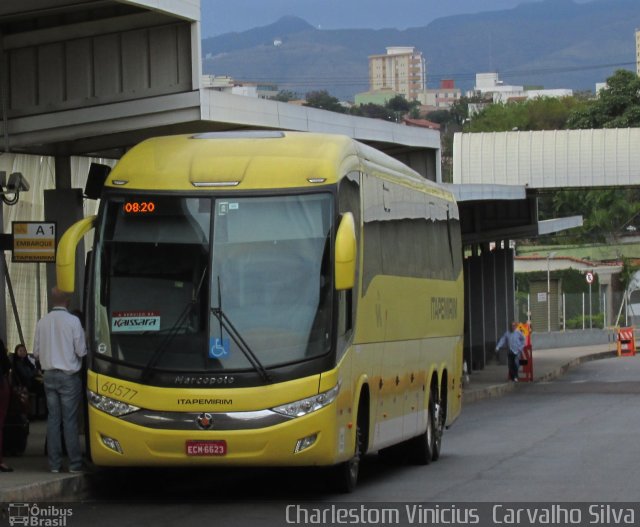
(227, 84)
(489, 85)
(402, 69)
(441, 98)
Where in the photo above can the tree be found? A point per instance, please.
(285, 96)
(441, 117)
(400, 107)
(499, 118)
(414, 113)
(398, 104)
(617, 105)
(450, 121)
(543, 113)
(393, 110)
(460, 109)
(606, 212)
(322, 99)
(628, 270)
(374, 111)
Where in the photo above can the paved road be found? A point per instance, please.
(575, 439)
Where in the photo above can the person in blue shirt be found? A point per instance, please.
(515, 341)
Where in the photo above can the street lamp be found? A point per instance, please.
(549, 256)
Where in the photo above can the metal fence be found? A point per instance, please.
(630, 309)
(553, 312)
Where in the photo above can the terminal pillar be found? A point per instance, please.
(62, 172)
(504, 289)
(475, 310)
(490, 301)
(64, 206)
(467, 314)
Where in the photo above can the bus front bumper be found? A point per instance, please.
(314, 439)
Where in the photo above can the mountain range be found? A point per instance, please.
(553, 43)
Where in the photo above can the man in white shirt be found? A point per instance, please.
(59, 345)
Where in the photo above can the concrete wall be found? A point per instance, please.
(549, 159)
(572, 339)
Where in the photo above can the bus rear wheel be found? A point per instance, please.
(438, 429)
(422, 447)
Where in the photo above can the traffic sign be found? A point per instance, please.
(34, 241)
(589, 277)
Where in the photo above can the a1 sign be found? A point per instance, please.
(589, 277)
(34, 241)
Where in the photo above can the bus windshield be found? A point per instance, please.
(164, 265)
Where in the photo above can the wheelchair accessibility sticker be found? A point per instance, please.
(219, 348)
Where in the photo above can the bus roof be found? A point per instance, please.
(251, 160)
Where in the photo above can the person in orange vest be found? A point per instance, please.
(515, 341)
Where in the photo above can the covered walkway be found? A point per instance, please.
(532, 163)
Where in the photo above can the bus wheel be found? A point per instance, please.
(421, 448)
(346, 473)
(438, 429)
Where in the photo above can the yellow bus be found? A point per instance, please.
(269, 299)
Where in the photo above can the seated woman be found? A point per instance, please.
(24, 370)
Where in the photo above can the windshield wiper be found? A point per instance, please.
(227, 325)
(178, 325)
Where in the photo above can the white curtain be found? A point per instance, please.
(39, 171)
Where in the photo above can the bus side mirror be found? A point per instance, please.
(95, 180)
(346, 251)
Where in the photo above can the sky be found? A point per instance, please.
(225, 16)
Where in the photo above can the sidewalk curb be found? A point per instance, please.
(490, 392)
(65, 488)
(576, 362)
(498, 390)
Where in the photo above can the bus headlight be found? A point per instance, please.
(308, 405)
(110, 406)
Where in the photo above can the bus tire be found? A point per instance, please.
(346, 474)
(439, 419)
(422, 447)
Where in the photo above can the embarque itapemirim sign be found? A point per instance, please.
(34, 241)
